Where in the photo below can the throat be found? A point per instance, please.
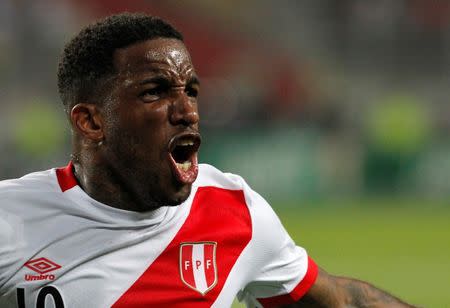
(111, 189)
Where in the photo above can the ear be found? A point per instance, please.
(87, 120)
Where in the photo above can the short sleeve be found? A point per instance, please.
(283, 272)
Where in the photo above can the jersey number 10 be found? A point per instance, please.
(40, 301)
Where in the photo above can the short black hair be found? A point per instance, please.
(87, 58)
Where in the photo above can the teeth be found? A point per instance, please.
(186, 142)
(184, 166)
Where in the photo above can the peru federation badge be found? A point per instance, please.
(198, 268)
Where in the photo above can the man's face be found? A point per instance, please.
(151, 123)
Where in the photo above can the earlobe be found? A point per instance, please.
(87, 121)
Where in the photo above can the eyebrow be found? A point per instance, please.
(155, 79)
(161, 79)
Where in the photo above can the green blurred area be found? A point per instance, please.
(39, 129)
(401, 246)
(292, 163)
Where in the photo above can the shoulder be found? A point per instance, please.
(41, 181)
(19, 197)
(213, 179)
(261, 213)
(211, 176)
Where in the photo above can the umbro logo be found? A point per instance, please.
(42, 266)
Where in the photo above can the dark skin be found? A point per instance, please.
(121, 144)
(121, 148)
(335, 292)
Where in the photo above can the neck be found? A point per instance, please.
(104, 186)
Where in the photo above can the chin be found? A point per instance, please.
(180, 195)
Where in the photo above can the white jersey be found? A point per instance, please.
(61, 248)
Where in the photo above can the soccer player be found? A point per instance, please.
(134, 220)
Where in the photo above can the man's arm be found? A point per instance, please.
(331, 291)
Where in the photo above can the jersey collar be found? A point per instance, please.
(66, 178)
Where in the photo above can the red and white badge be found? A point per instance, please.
(198, 268)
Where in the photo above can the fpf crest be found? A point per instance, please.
(198, 268)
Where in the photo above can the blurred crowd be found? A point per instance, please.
(303, 98)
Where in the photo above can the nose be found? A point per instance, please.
(184, 110)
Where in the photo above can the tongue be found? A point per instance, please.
(186, 172)
(184, 166)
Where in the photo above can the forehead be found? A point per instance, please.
(163, 53)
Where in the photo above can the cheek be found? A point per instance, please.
(144, 128)
(155, 113)
(140, 117)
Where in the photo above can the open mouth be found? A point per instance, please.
(183, 149)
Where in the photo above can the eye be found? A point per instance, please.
(151, 94)
(191, 92)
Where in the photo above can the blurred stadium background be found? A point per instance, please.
(336, 111)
